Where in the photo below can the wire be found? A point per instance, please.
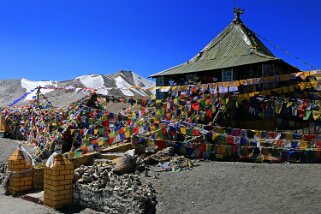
(286, 52)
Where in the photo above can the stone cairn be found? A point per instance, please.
(58, 182)
(99, 188)
(20, 172)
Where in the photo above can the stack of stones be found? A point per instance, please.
(98, 188)
(58, 183)
(20, 173)
(2, 172)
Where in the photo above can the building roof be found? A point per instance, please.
(236, 45)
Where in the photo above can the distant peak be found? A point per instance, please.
(125, 72)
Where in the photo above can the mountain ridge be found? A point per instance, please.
(117, 84)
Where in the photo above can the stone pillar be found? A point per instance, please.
(58, 182)
(21, 173)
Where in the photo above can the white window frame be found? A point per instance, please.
(225, 70)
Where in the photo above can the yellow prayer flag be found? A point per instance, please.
(215, 135)
(183, 130)
(285, 90)
(316, 114)
(291, 88)
(100, 142)
(303, 144)
(127, 134)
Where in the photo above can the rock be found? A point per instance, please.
(113, 193)
(130, 152)
(140, 149)
(125, 164)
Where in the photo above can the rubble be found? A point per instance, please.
(168, 161)
(99, 188)
(2, 172)
(176, 164)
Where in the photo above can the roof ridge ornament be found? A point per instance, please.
(237, 12)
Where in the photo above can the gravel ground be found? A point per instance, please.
(7, 146)
(236, 187)
(214, 187)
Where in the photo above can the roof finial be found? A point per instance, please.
(237, 13)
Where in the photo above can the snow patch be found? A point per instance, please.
(127, 92)
(92, 81)
(138, 80)
(30, 85)
(123, 85)
(140, 92)
(102, 91)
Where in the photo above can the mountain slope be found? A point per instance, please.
(118, 84)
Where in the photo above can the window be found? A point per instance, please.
(227, 74)
(159, 81)
(191, 78)
(267, 70)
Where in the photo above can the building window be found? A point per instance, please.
(227, 74)
(267, 70)
(159, 81)
(191, 79)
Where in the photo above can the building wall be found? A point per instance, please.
(239, 72)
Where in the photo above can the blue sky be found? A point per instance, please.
(63, 39)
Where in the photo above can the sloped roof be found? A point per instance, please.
(236, 45)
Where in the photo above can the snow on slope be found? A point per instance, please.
(103, 91)
(30, 85)
(92, 81)
(138, 80)
(123, 85)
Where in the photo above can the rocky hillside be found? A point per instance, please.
(117, 84)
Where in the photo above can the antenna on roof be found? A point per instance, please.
(237, 13)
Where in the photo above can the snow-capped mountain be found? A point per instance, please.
(118, 84)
